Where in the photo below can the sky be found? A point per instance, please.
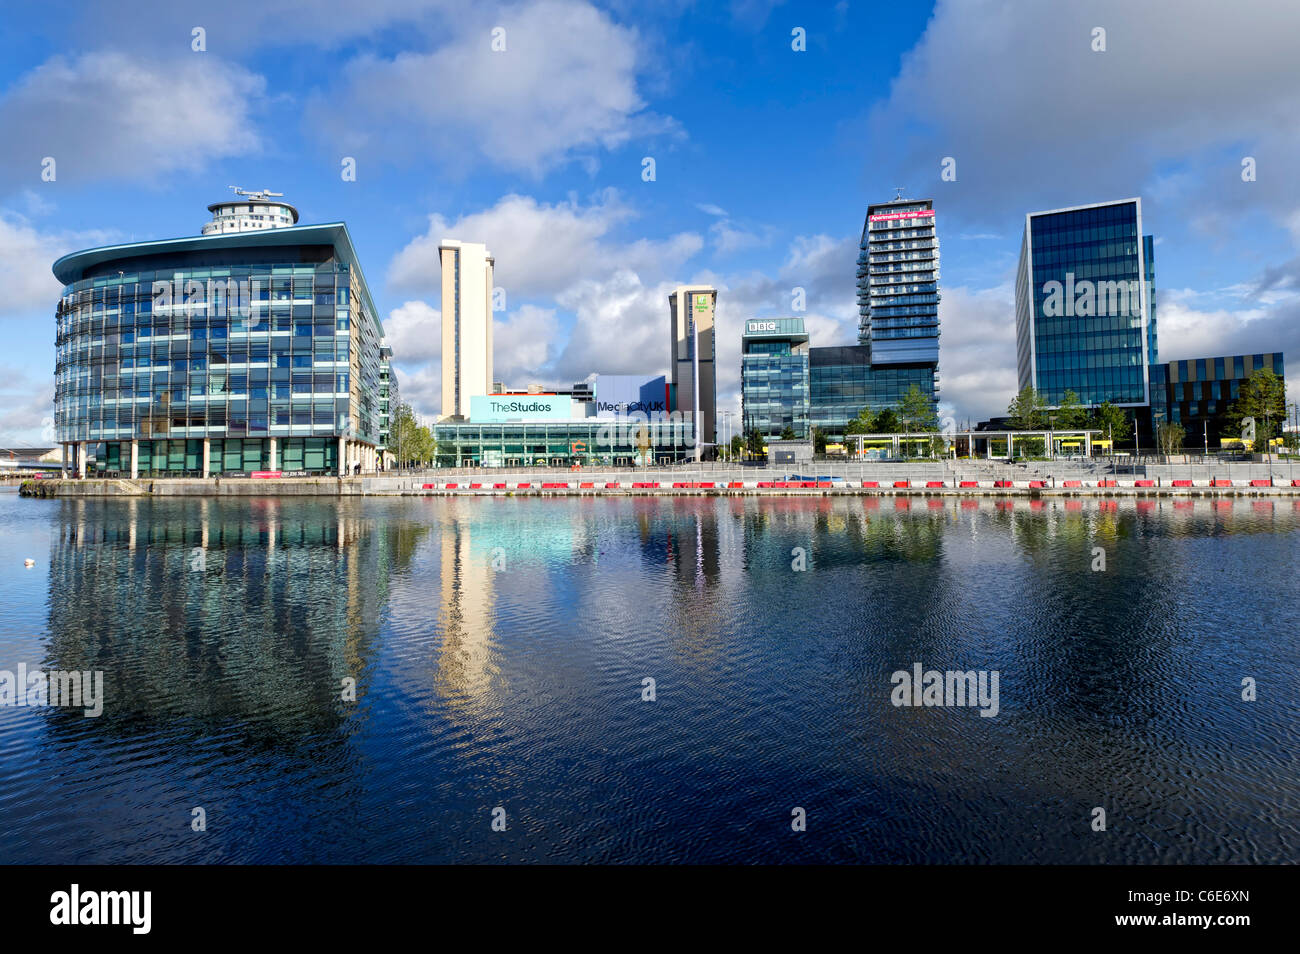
(771, 126)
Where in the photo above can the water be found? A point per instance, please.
(499, 647)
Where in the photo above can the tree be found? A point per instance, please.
(916, 411)
(887, 422)
(864, 423)
(819, 440)
(1026, 410)
(1169, 437)
(1263, 397)
(787, 433)
(737, 446)
(1070, 415)
(1112, 421)
(403, 433)
(754, 442)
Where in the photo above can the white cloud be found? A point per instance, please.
(565, 85)
(26, 255)
(522, 343)
(414, 330)
(1014, 92)
(542, 249)
(107, 115)
(26, 408)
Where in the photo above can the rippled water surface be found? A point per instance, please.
(499, 647)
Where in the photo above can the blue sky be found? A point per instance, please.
(765, 160)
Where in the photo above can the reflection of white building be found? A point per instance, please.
(466, 325)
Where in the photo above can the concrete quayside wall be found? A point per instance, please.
(925, 479)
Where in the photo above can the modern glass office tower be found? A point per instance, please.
(1085, 305)
(774, 372)
(898, 283)
(227, 353)
(785, 383)
(846, 379)
(1198, 393)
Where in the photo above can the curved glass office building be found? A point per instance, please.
(223, 354)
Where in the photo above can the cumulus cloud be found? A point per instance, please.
(26, 408)
(543, 249)
(106, 115)
(1181, 94)
(26, 254)
(564, 85)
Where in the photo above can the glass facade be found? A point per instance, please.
(774, 377)
(898, 284)
(844, 381)
(785, 383)
(1085, 311)
(1198, 393)
(560, 444)
(222, 338)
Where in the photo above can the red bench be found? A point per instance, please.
(612, 485)
(1220, 483)
(1038, 484)
(935, 483)
(453, 487)
(498, 486)
(1182, 483)
(1108, 483)
(1261, 483)
(1001, 483)
(824, 484)
(1073, 483)
(644, 485)
(524, 486)
(970, 483)
(475, 486)
(586, 485)
(902, 483)
(1144, 483)
(871, 483)
(428, 486)
(736, 485)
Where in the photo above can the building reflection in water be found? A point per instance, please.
(245, 612)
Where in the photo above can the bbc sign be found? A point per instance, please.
(760, 326)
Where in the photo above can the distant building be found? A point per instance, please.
(774, 373)
(466, 325)
(693, 377)
(785, 383)
(898, 286)
(1198, 393)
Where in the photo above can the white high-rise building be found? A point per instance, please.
(466, 325)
